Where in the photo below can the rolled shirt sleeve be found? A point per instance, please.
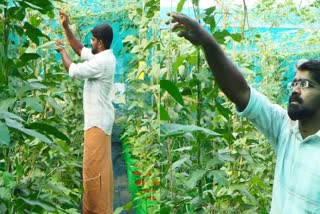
(85, 70)
(90, 68)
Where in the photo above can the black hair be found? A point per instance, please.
(313, 66)
(104, 33)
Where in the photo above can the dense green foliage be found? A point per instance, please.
(141, 113)
(40, 130)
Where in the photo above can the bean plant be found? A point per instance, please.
(141, 112)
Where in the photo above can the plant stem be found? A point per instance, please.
(199, 109)
(196, 10)
(170, 169)
(5, 45)
(7, 158)
(245, 17)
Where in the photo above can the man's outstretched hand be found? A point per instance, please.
(60, 46)
(189, 28)
(64, 18)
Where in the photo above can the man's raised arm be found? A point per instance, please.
(74, 43)
(227, 75)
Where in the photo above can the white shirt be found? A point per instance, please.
(98, 72)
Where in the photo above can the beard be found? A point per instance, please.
(296, 110)
(94, 50)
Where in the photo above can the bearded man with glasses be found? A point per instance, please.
(294, 133)
(303, 101)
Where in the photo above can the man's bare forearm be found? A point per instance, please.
(65, 59)
(227, 75)
(74, 43)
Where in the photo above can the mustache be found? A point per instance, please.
(295, 98)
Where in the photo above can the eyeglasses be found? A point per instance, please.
(300, 84)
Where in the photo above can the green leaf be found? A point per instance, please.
(38, 203)
(192, 58)
(195, 3)
(118, 210)
(34, 103)
(51, 14)
(173, 129)
(30, 86)
(8, 180)
(150, 44)
(245, 192)
(33, 33)
(51, 45)
(210, 20)
(246, 156)
(35, 20)
(4, 115)
(32, 5)
(225, 112)
(18, 29)
(178, 62)
(42, 6)
(182, 149)
(3, 208)
(29, 56)
(220, 176)
(49, 130)
(53, 103)
(197, 201)
(23, 89)
(203, 76)
(4, 134)
(13, 124)
(19, 126)
(17, 13)
(195, 176)
(172, 90)
(223, 154)
(37, 135)
(164, 208)
(180, 5)
(220, 36)
(19, 168)
(179, 163)
(5, 193)
(6, 104)
(151, 11)
(37, 85)
(210, 10)
(164, 114)
(214, 162)
(236, 37)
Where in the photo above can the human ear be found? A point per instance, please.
(100, 43)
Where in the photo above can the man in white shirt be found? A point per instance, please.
(294, 133)
(98, 72)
